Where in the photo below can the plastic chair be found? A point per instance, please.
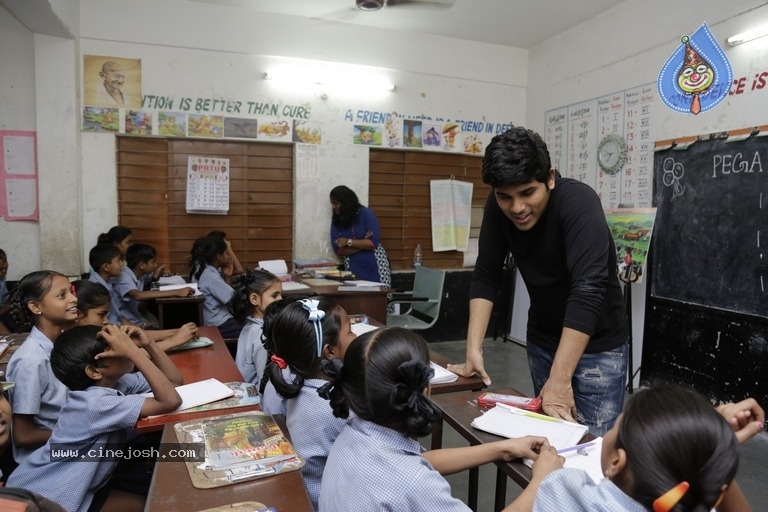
(424, 301)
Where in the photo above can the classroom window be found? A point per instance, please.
(151, 190)
(399, 195)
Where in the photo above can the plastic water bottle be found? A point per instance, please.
(417, 255)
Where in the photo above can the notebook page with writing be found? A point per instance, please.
(506, 423)
(199, 393)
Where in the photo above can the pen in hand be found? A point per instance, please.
(581, 449)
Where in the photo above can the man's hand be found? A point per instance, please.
(474, 364)
(557, 401)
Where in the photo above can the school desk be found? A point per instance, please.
(371, 303)
(459, 410)
(173, 312)
(473, 383)
(171, 489)
(15, 339)
(195, 365)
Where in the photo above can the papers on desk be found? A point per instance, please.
(166, 287)
(293, 286)
(199, 393)
(507, 421)
(166, 280)
(442, 376)
(363, 283)
(587, 459)
(277, 267)
(360, 328)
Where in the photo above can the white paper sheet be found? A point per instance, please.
(277, 267)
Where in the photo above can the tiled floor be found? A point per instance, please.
(507, 366)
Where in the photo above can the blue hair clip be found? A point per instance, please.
(315, 316)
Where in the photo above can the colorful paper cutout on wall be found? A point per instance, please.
(99, 119)
(697, 76)
(172, 124)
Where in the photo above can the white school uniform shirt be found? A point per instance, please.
(251, 356)
(371, 467)
(313, 427)
(575, 491)
(91, 419)
(114, 298)
(217, 293)
(37, 391)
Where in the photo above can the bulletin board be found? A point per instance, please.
(18, 175)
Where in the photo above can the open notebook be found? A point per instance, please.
(587, 460)
(507, 421)
(199, 393)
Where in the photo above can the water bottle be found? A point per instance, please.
(417, 255)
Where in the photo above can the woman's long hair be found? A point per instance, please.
(350, 205)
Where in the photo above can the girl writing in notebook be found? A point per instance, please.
(303, 334)
(255, 289)
(384, 381)
(46, 297)
(208, 254)
(670, 451)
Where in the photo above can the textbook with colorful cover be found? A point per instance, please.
(245, 440)
(205, 476)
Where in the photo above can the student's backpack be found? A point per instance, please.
(14, 499)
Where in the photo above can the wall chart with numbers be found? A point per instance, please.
(606, 142)
(207, 185)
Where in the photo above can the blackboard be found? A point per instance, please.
(710, 241)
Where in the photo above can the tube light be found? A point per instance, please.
(747, 36)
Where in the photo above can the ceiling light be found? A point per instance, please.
(370, 5)
(747, 36)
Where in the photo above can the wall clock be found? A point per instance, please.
(612, 153)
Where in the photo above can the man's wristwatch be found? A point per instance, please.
(349, 242)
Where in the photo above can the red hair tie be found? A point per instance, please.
(279, 361)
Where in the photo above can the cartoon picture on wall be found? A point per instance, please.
(111, 81)
(631, 229)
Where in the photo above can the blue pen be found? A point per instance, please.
(578, 448)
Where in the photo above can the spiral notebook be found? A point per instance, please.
(507, 421)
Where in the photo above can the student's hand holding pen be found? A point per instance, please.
(523, 447)
(545, 462)
(188, 332)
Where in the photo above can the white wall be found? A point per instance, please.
(20, 240)
(626, 47)
(223, 53)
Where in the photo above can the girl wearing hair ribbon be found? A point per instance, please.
(298, 337)
(376, 462)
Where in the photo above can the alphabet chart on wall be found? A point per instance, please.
(207, 185)
(606, 143)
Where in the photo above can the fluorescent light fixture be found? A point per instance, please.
(747, 36)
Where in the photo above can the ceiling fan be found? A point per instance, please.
(375, 5)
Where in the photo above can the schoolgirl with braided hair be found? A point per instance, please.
(377, 462)
(301, 335)
(254, 290)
